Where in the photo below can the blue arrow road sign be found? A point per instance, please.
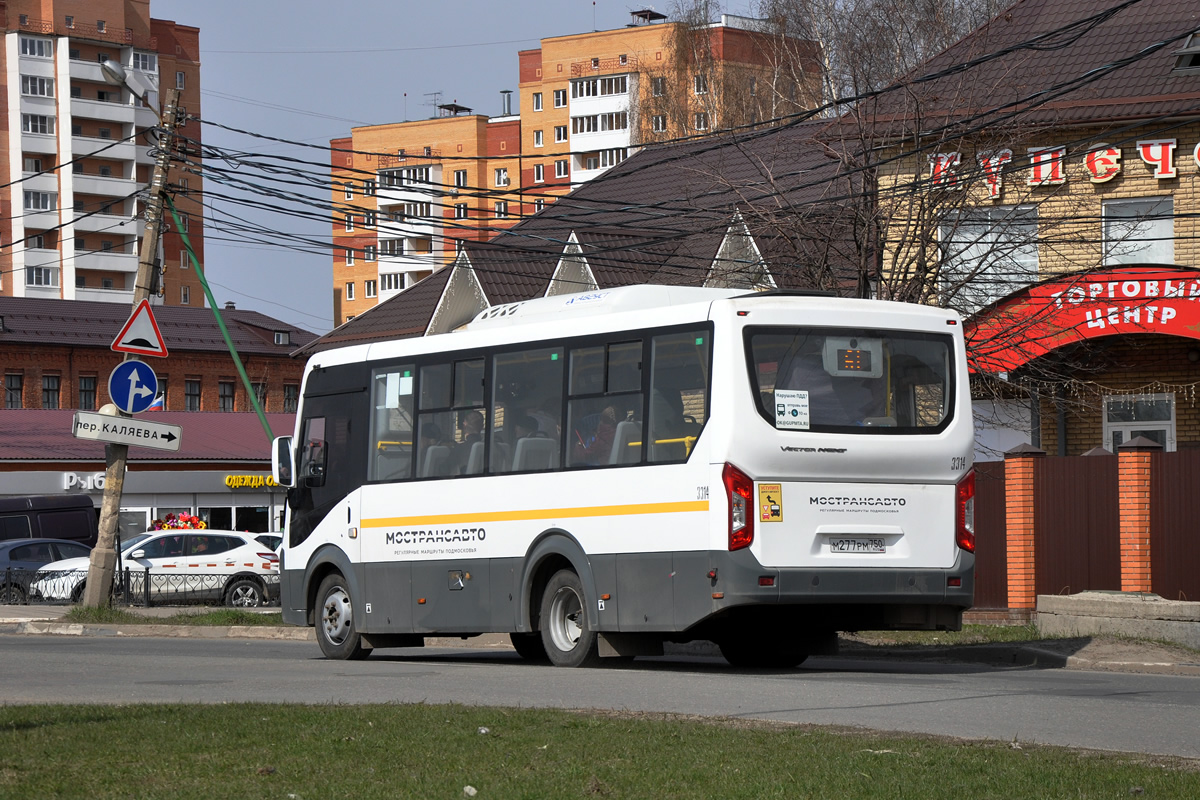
(132, 386)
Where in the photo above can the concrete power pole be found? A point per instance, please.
(98, 589)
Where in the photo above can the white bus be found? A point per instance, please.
(595, 474)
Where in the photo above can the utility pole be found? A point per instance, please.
(98, 589)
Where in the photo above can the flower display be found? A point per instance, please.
(174, 521)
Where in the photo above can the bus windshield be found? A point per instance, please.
(847, 380)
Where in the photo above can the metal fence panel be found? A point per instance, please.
(1077, 523)
(991, 541)
(1175, 525)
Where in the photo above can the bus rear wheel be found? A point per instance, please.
(762, 652)
(567, 633)
(336, 634)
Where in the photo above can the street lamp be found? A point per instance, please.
(103, 562)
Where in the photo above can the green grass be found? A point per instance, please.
(198, 616)
(422, 751)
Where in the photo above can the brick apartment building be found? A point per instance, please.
(57, 355)
(78, 150)
(407, 196)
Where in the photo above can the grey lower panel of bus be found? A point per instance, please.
(666, 593)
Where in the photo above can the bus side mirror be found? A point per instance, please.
(283, 468)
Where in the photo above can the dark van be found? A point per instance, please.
(71, 516)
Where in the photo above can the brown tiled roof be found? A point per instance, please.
(83, 323)
(45, 435)
(1064, 62)
(400, 317)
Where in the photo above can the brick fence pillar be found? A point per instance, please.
(1134, 486)
(1019, 466)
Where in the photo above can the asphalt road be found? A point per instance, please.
(1110, 711)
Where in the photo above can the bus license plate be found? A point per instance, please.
(857, 544)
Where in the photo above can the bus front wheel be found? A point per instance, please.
(336, 634)
(567, 632)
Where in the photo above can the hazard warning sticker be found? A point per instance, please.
(770, 502)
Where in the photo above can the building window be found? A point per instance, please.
(701, 121)
(460, 178)
(87, 393)
(260, 394)
(180, 80)
(14, 391)
(37, 87)
(185, 295)
(349, 190)
(368, 187)
(41, 276)
(501, 209)
(101, 27)
(658, 123)
(537, 138)
(162, 392)
(538, 204)
(369, 288)
(37, 123)
(33, 165)
(658, 86)
(70, 21)
(349, 222)
(591, 162)
(106, 283)
(368, 219)
(539, 173)
(191, 395)
(560, 133)
(560, 98)
(225, 395)
(561, 169)
(283, 337)
(701, 84)
(1129, 416)
(588, 124)
(50, 384)
(460, 210)
(291, 398)
(38, 48)
(1139, 231)
(610, 158)
(537, 101)
(369, 252)
(987, 253)
(350, 291)
(183, 259)
(391, 281)
(502, 176)
(349, 257)
(145, 62)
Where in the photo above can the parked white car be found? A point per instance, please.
(184, 566)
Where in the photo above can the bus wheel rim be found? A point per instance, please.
(565, 614)
(336, 616)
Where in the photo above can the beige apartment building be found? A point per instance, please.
(406, 195)
(79, 149)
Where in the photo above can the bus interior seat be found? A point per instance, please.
(675, 450)
(627, 448)
(475, 459)
(534, 453)
(501, 456)
(437, 462)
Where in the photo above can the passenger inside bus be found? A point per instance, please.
(836, 399)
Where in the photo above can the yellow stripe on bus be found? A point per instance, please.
(540, 513)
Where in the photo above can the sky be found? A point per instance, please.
(309, 70)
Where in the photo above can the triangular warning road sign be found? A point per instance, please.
(140, 334)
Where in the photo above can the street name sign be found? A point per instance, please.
(126, 430)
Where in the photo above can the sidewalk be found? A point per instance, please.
(1083, 653)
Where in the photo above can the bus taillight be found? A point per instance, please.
(738, 489)
(964, 527)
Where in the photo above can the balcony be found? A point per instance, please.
(83, 146)
(108, 187)
(410, 262)
(109, 261)
(604, 66)
(40, 220)
(44, 182)
(113, 224)
(43, 143)
(104, 295)
(82, 30)
(100, 110)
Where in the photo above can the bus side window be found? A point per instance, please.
(312, 460)
(392, 423)
(678, 393)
